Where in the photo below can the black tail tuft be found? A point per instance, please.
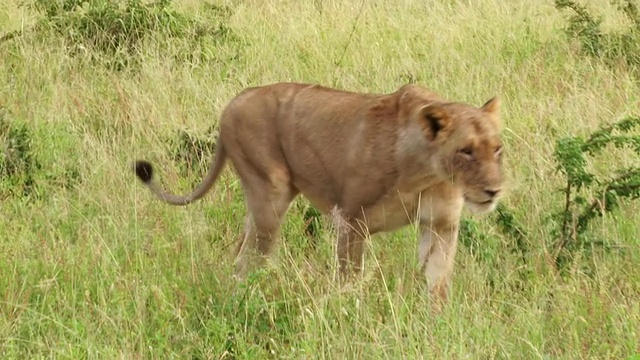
(144, 170)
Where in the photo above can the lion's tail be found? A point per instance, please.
(144, 171)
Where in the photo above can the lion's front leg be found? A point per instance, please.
(352, 234)
(350, 250)
(437, 251)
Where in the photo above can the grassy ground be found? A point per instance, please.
(93, 267)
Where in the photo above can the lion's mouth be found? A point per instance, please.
(486, 202)
(480, 206)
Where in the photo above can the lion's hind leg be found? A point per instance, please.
(267, 203)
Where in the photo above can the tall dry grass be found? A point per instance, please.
(93, 267)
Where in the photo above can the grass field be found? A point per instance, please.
(92, 266)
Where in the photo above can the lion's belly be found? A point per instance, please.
(389, 214)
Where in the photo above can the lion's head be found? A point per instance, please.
(466, 147)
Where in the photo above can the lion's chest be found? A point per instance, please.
(418, 201)
(393, 212)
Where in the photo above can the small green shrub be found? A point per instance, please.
(475, 240)
(312, 222)
(507, 223)
(192, 152)
(614, 47)
(113, 32)
(26, 171)
(586, 196)
(17, 162)
(606, 193)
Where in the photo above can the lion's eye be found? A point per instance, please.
(467, 152)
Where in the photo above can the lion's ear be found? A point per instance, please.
(436, 118)
(492, 107)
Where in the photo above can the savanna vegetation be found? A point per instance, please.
(92, 266)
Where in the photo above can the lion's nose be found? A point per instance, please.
(492, 193)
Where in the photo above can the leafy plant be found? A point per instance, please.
(613, 47)
(580, 208)
(28, 171)
(587, 196)
(508, 224)
(17, 162)
(192, 152)
(475, 240)
(114, 31)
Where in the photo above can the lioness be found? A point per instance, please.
(383, 161)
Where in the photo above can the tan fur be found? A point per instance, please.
(383, 160)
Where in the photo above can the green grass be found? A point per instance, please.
(92, 266)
